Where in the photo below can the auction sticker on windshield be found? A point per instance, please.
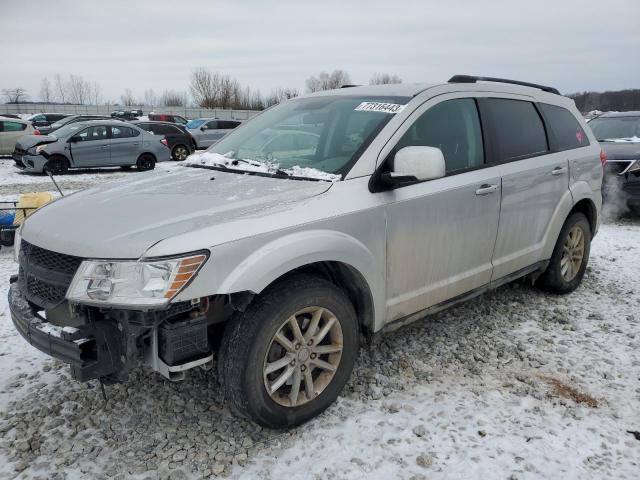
(379, 107)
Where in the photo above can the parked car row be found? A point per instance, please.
(56, 149)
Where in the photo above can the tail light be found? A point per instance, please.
(164, 142)
(37, 132)
(603, 157)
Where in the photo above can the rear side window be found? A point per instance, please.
(453, 126)
(123, 132)
(566, 133)
(518, 131)
(213, 124)
(13, 126)
(227, 124)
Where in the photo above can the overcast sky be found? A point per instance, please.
(572, 45)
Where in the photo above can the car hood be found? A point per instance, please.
(621, 150)
(28, 141)
(125, 218)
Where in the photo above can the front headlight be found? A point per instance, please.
(144, 283)
(39, 148)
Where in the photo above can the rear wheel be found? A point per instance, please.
(179, 153)
(56, 165)
(145, 162)
(288, 356)
(570, 256)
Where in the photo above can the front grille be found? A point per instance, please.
(58, 262)
(44, 276)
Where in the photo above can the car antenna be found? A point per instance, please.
(54, 182)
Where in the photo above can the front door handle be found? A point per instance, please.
(486, 189)
(559, 171)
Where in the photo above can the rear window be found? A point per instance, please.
(518, 129)
(566, 132)
(12, 126)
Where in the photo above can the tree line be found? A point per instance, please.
(207, 89)
(621, 100)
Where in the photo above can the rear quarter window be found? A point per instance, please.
(518, 131)
(12, 126)
(565, 131)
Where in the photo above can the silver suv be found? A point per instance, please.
(395, 202)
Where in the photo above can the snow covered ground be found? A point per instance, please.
(515, 384)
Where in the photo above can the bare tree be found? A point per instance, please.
(171, 98)
(95, 93)
(127, 98)
(205, 88)
(15, 95)
(150, 98)
(79, 90)
(46, 94)
(328, 81)
(60, 88)
(384, 78)
(280, 94)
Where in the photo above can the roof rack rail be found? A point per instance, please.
(474, 79)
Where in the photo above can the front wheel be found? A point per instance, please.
(56, 165)
(288, 356)
(570, 256)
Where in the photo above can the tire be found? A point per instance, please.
(145, 162)
(56, 165)
(563, 276)
(249, 348)
(180, 153)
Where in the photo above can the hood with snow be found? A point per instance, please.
(125, 218)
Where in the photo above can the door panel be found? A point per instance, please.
(124, 146)
(440, 240)
(93, 148)
(532, 190)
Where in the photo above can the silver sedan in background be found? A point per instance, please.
(97, 143)
(207, 131)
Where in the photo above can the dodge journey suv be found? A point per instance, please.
(387, 203)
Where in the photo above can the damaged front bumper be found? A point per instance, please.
(92, 351)
(107, 346)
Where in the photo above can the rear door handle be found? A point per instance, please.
(486, 189)
(559, 171)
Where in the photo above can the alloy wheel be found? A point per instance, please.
(303, 356)
(180, 153)
(573, 254)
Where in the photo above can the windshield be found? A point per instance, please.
(67, 130)
(195, 123)
(321, 134)
(616, 128)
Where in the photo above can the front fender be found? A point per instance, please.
(253, 264)
(262, 267)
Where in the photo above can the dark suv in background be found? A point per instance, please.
(619, 136)
(167, 117)
(42, 121)
(178, 139)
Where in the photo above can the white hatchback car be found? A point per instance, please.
(11, 129)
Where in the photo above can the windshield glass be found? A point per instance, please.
(67, 130)
(321, 134)
(616, 128)
(195, 123)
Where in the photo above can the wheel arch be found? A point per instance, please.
(587, 207)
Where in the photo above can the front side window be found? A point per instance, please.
(625, 128)
(567, 132)
(195, 123)
(326, 133)
(518, 129)
(13, 126)
(212, 125)
(453, 126)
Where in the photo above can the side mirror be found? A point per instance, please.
(416, 164)
(203, 128)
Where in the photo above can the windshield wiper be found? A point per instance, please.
(255, 163)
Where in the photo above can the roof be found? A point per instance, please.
(388, 90)
(632, 113)
(12, 119)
